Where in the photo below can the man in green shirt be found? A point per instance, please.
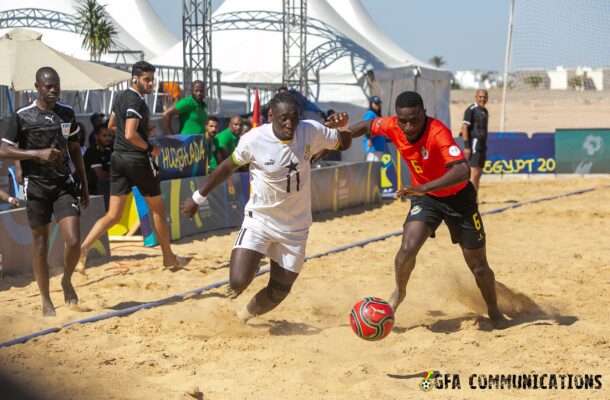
(227, 139)
(192, 112)
(211, 144)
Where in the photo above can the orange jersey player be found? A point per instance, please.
(439, 191)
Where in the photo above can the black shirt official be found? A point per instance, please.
(130, 104)
(32, 128)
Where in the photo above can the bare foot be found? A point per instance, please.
(244, 314)
(48, 309)
(176, 262)
(70, 296)
(232, 294)
(498, 321)
(395, 300)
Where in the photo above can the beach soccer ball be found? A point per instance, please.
(372, 318)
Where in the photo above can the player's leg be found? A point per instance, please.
(244, 265)
(39, 206)
(469, 232)
(101, 226)
(476, 259)
(156, 207)
(278, 288)
(70, 231)
(415, 234)
(40, 239)
(475, 176)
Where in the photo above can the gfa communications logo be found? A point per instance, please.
(527, 381)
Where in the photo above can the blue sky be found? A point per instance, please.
(468, 34)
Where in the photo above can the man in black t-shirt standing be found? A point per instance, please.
(131, 164)
(40, 135)
(474, 134)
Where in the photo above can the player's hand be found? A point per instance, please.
(467, 153)
(337, 120)
(189, 207)
(319, 155)
(48, 155)
(156, 151)
(84, 196)
(408, 191)
(14, 202)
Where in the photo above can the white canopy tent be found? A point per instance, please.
(22, 53)
(139, 28)
(343, 43)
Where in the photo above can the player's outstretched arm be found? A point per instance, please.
(218, 176)
(457, 173)
(339, 121)
(361, 128)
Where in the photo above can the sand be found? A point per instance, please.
(539, 110)
(552, 258)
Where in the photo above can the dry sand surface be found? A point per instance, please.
(537, 110)
(553, 258)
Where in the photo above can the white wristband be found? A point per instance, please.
(10, 199)
(198, 198)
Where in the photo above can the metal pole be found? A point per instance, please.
(506, 62)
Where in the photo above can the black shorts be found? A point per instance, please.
(460, 212)
(129, 170)
(478, 154)
(50, 197)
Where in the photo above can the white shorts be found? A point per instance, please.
(285, 248)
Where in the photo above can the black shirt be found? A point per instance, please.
(476, 118)
(130, 104)
(32, 128)
(96, 158)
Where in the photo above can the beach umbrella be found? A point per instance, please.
(22, 53)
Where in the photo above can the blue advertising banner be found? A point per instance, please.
(516, 153)
(182, 156)
(521, 155)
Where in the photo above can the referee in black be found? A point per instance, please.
(131, 164)
(474, 134)
(44, 136)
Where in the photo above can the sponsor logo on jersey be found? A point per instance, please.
(270, 162)
(454, 151)
(307, 155)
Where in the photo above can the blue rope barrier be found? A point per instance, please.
(182, 296)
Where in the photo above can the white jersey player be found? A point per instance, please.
(278, 214)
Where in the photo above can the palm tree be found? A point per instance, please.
(437, 61)
(96, 28)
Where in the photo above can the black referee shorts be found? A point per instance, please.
(478, 156)
(128, 170)
(460, 212)
(46, 198)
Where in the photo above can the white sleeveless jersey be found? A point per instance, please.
(280, 172)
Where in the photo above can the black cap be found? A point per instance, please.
(374, 100)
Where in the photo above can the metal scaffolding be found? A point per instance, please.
(197, 43)
(294, 72)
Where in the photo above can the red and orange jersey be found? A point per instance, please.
(429, 157)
